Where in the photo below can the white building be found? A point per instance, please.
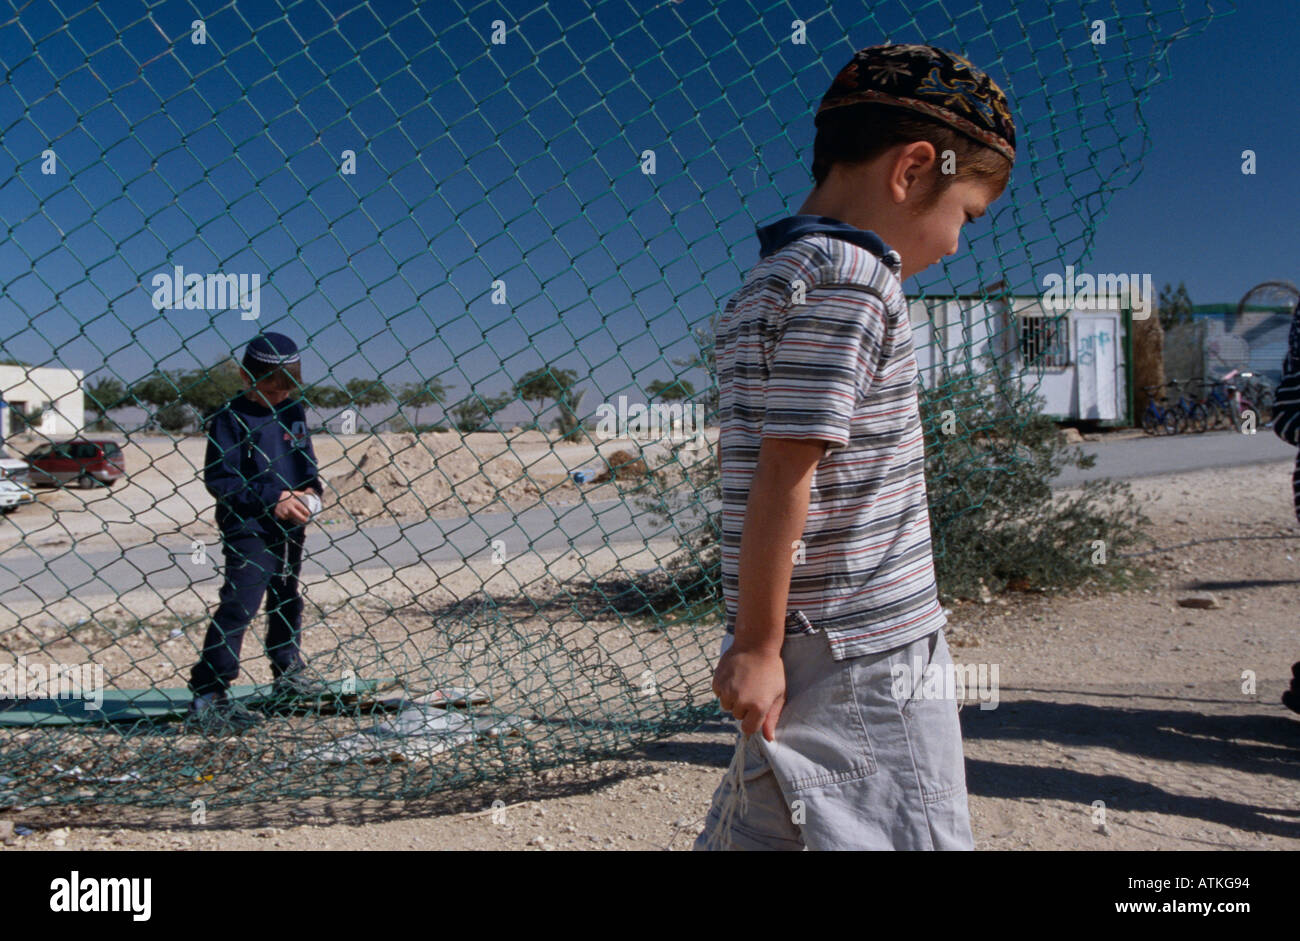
(54, 389)
(1080, 361)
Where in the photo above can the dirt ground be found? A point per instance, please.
(1122, 698)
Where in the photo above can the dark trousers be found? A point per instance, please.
(256, 566)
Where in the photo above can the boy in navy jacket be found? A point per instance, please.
(261, 468)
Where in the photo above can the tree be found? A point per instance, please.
(103, 395)
(419, 394)
(206, 390)
(178, 398)
(556, 385)
(362, 392)
(1175, 306)
(321, 395)
(705, 338)
(472, 414)
(676, 390)
(156, 389)
(176, 416)
(567, 422)
(153, 392)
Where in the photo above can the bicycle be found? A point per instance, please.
(1257, 390)
(1240, 404)
(1156, 417)
(1189, 412)
(1215, 400)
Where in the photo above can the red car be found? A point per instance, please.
(79, 461)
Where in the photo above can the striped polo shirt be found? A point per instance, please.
(817, 345)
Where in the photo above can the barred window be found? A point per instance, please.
(1044, 341)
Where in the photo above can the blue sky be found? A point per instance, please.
(1192, 215)
(519, 165)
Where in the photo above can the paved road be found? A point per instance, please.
(167, 565)
(1145, 456)
(59, 572)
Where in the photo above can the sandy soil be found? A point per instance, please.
(1122, 698)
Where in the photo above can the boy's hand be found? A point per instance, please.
(311, 500)
(290, 508)
(750, 684)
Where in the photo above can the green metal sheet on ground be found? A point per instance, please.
(134, 705)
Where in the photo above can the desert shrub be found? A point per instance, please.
(991, 457)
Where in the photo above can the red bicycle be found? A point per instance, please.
(1241, 405)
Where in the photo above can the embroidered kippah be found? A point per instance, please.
(930, 81)
(273, 348)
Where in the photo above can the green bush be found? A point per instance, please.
(991, 455)
(176, 417)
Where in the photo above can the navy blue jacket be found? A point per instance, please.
(254, 454)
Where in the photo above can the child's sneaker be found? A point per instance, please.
(298, 683)
(218, 714)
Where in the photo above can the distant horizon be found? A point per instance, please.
(1208, 307)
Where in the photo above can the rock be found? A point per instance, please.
(1071, 435)
(7, 832)
(1199, 600)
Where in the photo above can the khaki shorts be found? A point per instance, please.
(853, 766)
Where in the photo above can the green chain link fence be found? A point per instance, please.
(480, 223)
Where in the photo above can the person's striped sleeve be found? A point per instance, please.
(1286, 408)
(827, 354)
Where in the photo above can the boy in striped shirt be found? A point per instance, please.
(833, 618)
